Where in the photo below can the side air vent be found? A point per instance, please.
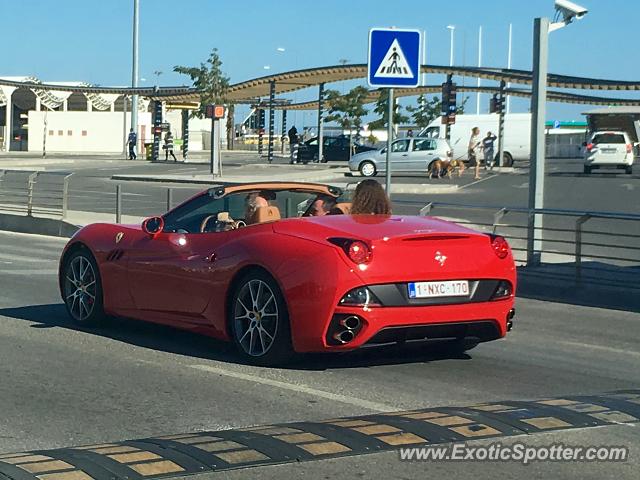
(115, 255)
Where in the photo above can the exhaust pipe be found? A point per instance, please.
(510, 315)
(345, 336)
(350, 323)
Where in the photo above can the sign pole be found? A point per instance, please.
(389, 140)
(213, 142)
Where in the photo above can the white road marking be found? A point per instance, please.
(358, 402)
(34, 236)
(23, 258)
(23, 272)
(478, 181)
(628, 186)
(602, 347)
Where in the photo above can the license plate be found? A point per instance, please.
(455, 288)
(609, 150)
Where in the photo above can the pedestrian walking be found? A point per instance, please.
(487, 147)
(132, 141)
(293, 144)
(410, 133)
(473, 150)
(168, 146)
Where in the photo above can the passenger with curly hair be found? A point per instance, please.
(370, 198)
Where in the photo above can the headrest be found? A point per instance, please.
(266, 214)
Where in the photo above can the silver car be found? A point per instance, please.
(407, 155)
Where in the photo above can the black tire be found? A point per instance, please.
(81, 288)
(587, 169)
(368, 169)
(507, 160)
(272, 318)
(628, 170)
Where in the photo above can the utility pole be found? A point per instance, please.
(389, 140)
(537, 164)
(134, 74)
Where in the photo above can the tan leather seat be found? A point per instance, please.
(266, 214)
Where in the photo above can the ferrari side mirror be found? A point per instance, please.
(153, 225)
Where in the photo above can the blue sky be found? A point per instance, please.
(90, 40)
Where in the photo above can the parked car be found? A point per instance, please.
(608, 149)
(407, 155)
(333, 148)
(274, 280)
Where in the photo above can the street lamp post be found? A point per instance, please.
(134, 72)
(541, 29)
(451, 29)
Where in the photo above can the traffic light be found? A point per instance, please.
(449, 105)
(261, 118)
(496, 104)
(492, 103)
(157, 112)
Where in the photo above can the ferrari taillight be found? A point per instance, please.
(500, 246)
(357, 250)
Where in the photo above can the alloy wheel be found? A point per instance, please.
(256, 317)
(80, 288)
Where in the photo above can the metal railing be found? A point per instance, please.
(608, 251)
(34, 193)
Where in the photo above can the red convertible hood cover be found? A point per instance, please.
(370, 227)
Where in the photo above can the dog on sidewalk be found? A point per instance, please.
(446, 167)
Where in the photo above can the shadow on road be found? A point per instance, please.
(181, 342)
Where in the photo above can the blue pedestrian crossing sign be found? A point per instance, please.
(394, 57)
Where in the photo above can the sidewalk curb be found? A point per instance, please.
(36, 225)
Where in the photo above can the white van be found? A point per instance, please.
(517, 134)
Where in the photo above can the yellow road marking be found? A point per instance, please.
(325, 448)
(401, 439)
(134, 457)
(157, 468)
(40, 467)
(546, 422)
(242, 456)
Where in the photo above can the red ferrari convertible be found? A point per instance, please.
(253, 265)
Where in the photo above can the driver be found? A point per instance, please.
(254, 201)
(322, 205)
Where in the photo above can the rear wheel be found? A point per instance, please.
(259, 322)
(367, 169)
(507, 160)
(628, 170)
(82, 288)
(587, 169)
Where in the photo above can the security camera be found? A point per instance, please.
(570, 10)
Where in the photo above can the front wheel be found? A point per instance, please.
(367, 169)
(259, 321)
(82, 289)
(507, 160)
(587, 169)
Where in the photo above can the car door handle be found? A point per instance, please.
(405, 154)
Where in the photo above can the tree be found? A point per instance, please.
(382, 109)
(428, 110)
(347, 110)
(212, 86)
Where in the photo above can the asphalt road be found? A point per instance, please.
(567, 187)
(62, 386)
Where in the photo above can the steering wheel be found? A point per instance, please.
(205, 221)
(233, 224)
